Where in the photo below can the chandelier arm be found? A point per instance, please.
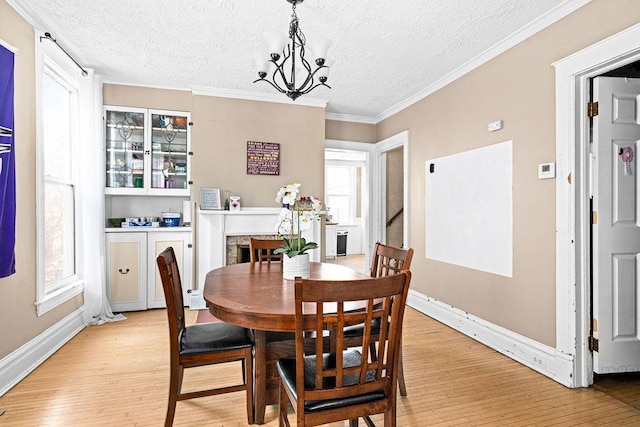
(286, 54)
(307, 66)
(276, 87)
(313, 87)
(311, 79)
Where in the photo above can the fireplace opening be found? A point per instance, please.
(244, 254)
(238, 247)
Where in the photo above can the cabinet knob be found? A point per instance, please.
(189, 245)
(123, 272)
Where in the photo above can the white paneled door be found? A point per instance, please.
(616, 225)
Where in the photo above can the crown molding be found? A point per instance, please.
(257, 96)
(25, 11)
(115, 82)
(350, 118)
(510, 41)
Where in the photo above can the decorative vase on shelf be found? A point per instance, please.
(298, 266)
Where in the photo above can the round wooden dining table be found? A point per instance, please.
(257, 297)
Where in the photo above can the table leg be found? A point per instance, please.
(260, 375)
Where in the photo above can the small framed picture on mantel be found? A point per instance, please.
(210, 199)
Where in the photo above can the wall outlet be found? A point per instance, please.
(494, 126)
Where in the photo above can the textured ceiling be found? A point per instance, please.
(385, 50)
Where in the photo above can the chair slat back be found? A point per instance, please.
(390, 260)
(325, 308)
(262, 250)
(172, 287)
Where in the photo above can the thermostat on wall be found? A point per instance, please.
(546, 170)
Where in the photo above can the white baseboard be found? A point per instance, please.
(21, 362)
(539, 357)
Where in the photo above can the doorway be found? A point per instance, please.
(347, 194)
(615, 230)
(394, 196)
(573, 196)
(374, 187)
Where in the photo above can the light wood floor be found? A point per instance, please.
(116, 375)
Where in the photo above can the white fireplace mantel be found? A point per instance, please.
(213, 227)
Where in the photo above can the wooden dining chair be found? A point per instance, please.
(262, 250)
(278, 344)
(344, 383)
(200, 344)
(386, 260)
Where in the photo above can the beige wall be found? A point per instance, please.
(350, 131)
(519, 88)
(221, 129)
(18, 319)
(145, 97)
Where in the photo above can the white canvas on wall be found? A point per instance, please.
(469, 209)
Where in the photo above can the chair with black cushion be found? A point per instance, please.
(262, 250)
(279, 344)
(344, 383)
(386, 260)
(200, 344)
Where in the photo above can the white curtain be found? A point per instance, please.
(96, 305)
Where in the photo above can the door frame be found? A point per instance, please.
(573, 192)
(379, 232)
(367, 148)
(375, 218)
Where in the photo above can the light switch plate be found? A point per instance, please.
(494, 126)
(546, 170)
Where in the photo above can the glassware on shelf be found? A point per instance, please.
(124, 148)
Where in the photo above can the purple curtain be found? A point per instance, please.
(7, 167)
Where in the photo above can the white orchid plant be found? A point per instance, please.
(297, 215)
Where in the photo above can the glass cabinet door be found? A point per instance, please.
(169, 136)
(125, 160)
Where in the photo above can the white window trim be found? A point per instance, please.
(49, 57)
(351, 165)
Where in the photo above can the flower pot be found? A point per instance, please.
(298, 266)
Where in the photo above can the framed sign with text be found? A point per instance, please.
(263, 158)
(210, 198)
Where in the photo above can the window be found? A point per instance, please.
(343, 184)
(57, 229)
(59, 188)
(339, 200)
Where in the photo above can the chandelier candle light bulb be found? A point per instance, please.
(294, 75)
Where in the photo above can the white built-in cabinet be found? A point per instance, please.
(147, 172)
(133, 281)
(147, 151)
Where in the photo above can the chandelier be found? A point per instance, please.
(294, 74)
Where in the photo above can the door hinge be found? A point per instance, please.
(594, 218)
(592, 109)
(594, 344)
